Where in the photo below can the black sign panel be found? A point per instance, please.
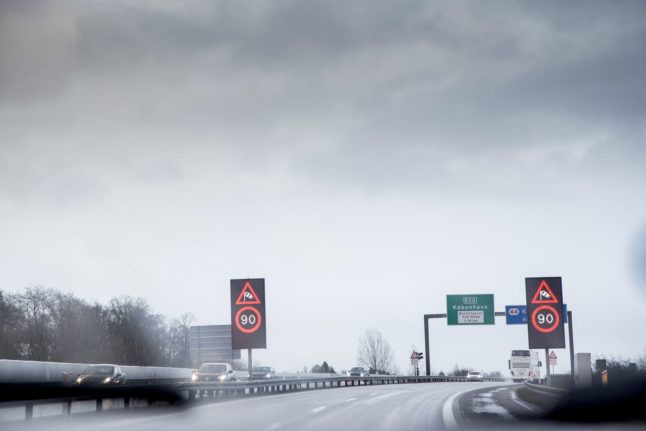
(248, 314)
(545, 312)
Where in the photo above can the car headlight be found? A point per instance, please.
(107, 380)
(193, 377)
(268, 376)
(79, 380)
(221, 378)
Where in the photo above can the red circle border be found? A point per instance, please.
(556, 320)
(248, 331)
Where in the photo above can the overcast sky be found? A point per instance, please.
(367, 158)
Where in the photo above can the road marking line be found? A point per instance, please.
(375, 393)
(450, 422)
(318, 409)
(274, 426)
(350, 399)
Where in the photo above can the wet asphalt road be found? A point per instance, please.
(387, 407)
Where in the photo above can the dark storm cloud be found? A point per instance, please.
(404, 92)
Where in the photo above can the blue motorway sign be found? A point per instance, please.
(517, 314)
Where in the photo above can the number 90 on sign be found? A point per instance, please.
(545, 318)
(248, 319)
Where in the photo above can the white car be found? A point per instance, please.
(215, 372)
(474, 376)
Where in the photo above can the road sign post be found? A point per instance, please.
(248, 321)
(553, 358)
(571, 334)
(545, 312)
(414, 360)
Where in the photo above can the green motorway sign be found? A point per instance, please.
(470, 310)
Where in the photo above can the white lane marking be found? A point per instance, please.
(522, 403)
(273, 426)
(375, 393)
(447, 412)
(318, 409)
(350, 399)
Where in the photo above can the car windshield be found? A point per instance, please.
(213, 368)
(99, 370)
(190, 189)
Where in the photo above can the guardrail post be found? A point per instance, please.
(29, 411)
(99, 404)
(126, 402)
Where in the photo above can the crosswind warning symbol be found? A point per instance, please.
(544, 295)
(247, 296)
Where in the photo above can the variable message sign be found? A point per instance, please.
(470, 310)
(545, 312)
(248, 330)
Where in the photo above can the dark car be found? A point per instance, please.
(102, 374)
(357, 372)
(258, 373)
(215, 372)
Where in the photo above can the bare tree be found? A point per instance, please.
(136, 334)
(177, 344)
(375, 352)
(43, 324)
(11, 324)
(37, 306)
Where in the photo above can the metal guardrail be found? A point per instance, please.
(546, 390)
(31, 395)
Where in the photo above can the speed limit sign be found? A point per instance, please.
(545, 311)
(248, 330)
(545, 318)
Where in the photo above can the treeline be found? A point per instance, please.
(43, 324)
(323, 368)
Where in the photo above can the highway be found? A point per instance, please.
(382, 407)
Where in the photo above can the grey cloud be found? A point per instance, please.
(410, 84)
(637, 259)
